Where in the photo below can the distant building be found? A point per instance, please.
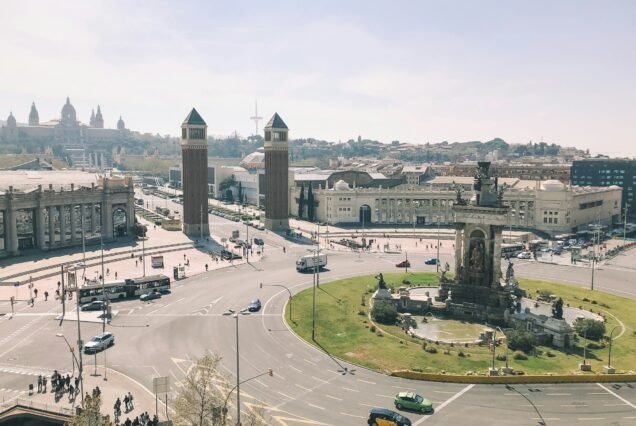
(35, 164)
(414, 175)
(560, 172)
(608, 172)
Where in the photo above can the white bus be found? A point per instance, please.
(115, 290)
(144, 285)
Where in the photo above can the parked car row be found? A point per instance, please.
(228, 216)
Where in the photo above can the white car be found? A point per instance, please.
(99, 342)
(524, 255)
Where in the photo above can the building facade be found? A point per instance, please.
(276, 174)
(608, 172)
(550, 206)
(194, 155)
(47, 210)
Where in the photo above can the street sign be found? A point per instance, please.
(161, 385)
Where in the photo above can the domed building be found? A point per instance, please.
(254, 161)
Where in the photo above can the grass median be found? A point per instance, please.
(344, 330)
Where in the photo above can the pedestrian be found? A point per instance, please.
(184, 256)
(155, 420)
(115, 274)
(107, 271)
(136, 263)
(126, 406)
(46, 296)
(284, 249)
(71, 392)
(32, 302)
(127, 422)
(68, 380)
(58, 285)
(39, 383)
(206, 267)
(98, 391)
(136, 421)
(43, 384)
(130, 400)
(77, 383)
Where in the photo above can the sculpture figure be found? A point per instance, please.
(381, 283)
(510, 272)
(476, 257)
(557, 309)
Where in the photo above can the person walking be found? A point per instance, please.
(35, 291)
(115, 274)
(46, 296)
(39, 383)
(43, 384)
(71, 392)
(126, 402)
(130, 401)
(77, 382)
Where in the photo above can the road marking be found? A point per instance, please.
(590, 418)
(367, 405)
(294, 368)
(558, 394)
(366, 381)
(286, 396)
(350, 390)
(445, 403)
(302, 387)
(437, 391)
(312, 363)
(352, 415)
(618, 396)
(516, 394)
(573, 405)
(402, 387)
(165, 306)
(316, 378)
(614, 405)
(333, 397)
(596, 393)
(261, 383)
(385, 396)
(315, 406)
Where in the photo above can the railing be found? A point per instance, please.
(30, 404)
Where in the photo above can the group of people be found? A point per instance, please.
(143, 419)
(59, 384)
(128, 405)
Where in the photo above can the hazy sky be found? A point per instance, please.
(415, 71)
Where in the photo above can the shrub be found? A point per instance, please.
(431, 350)
(424, 344)
(384, 312)
(550, 354)
(520, 340)
(519, 355)
(501, 357)
(361, 312)
(379, 333)
(372, 329)
(461, 354)
(590, 328)
(593, 345)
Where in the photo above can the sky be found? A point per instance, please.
(416, 71)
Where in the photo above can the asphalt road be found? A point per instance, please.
(162, 337)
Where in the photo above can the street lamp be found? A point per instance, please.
(269, 372)
(288, 291)
(596, 228)
(79, 364)
(625, 224)
(235, 315)
(437, 262)
(609, 369)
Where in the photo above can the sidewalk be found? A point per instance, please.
(116, 386)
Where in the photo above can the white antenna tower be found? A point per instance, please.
(256, 117)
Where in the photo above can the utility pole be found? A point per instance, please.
(80, 343)
(437, 262)
(62, 295)
(248, 246)
(143, 251)
(625, 224)
(101, 237)
(238, 380)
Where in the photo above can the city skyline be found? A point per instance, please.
(420, 73)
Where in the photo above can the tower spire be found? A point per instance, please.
(255, 117)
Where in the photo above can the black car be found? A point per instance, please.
(96, 305)
(150, 296)
(259, 242)
(382, 416)
(431, 261)
(254, 306)
(228, 255)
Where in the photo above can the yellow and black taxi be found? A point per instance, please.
(384, 417)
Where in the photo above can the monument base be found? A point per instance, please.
(276, 224)
(608, 370)
(194, 230)
(585, 367)
(493, 372)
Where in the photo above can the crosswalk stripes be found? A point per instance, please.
(28, 371)
(5, 390)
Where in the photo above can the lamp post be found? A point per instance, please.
(609, 369)
(625, 224)
(79, 363)
(70, 349)
(288, 291)
(143, 251)
(437, 262)
(269, 372)
(101, 238)
(596, 228)
(235, 315)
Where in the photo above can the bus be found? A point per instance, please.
(511, 250)
(137, 286)
(115, 290)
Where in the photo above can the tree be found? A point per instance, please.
(384, 312)
(310, 204)
(139, 230)
(590, 328)
(91, 414)
(520, 340)
(301, 202)
(229, 195)
(227, 183)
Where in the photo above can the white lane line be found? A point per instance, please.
(333, 397)
(294, 368)
(366, 381)
(350, 390)
(596, 393)
(558, 394)
(385, 396)
(448, 401)
(260, 383)
(448, 392)
(614, 405)
(286, 396)
(618, 396)
(165, 306)
(302, 387)
(315, 406)
(312, 363)
(573, 405)
(352, 415)
(320, 380)
(367, 405)
(590, 418)
(403, 388)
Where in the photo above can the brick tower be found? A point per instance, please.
(194, 153)
(276, 175)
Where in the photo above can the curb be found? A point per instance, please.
(500, 380)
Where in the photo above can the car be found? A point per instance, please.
(412, 401)
(260, 227)
(385, 417)
(96, 305)
(259, 242)
(431, 261)
(524, 255)
(100, 342)
(404, 264)
(150, 296)
(254, 306)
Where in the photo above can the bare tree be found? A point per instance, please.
(199, 400)
(91, 415)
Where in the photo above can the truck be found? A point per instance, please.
(156, 261)
(311, 261)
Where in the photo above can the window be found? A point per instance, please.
(545, 220)
(197, 133)
(556, 220)
(268, 135)
(184, 133)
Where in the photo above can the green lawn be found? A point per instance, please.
(343, 329)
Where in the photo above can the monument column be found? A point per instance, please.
(276, 174)
(51, 226)
(12, 230)
(39, 212)
(62, 224)
(496, 264)
(73, 223)
(459, 227)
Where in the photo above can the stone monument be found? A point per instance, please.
(477, 290)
